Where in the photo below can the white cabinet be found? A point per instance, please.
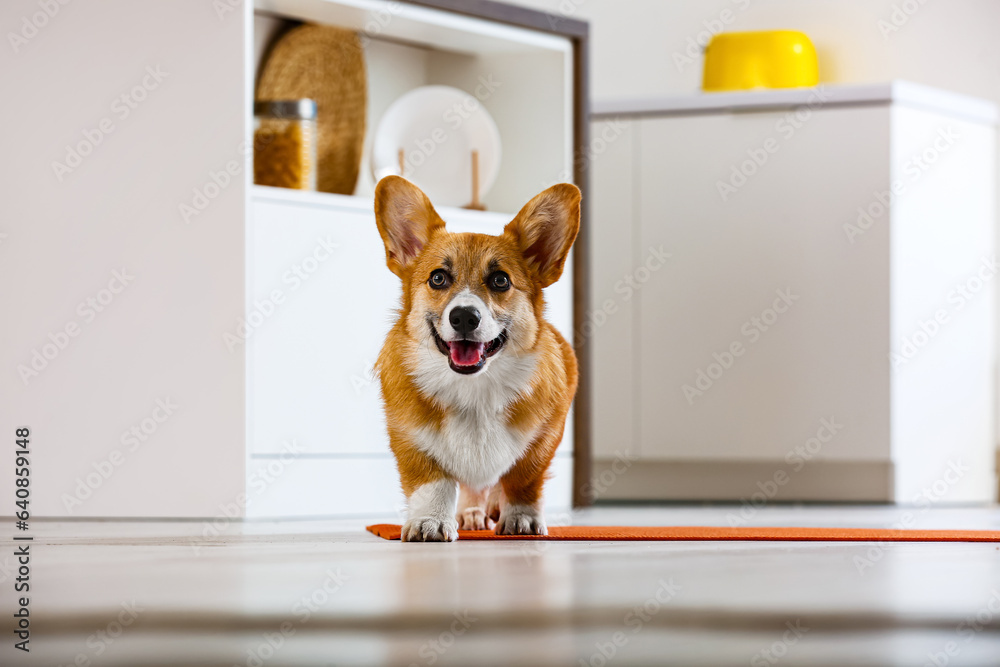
(825, 317)
(323, 303)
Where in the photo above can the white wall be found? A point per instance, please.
(137, 407)
(950, 44)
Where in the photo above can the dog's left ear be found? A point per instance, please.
(406, 221)
(546, 228)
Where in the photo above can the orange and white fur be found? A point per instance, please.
(476, 384)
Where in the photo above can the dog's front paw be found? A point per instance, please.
(474, 518)
(430, 529)
(521, 520)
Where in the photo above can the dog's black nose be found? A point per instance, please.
(464, 320)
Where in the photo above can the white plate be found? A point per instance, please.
(438, 127)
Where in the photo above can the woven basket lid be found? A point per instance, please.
(325, 64)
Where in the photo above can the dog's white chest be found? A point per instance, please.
(474, 448)
(474, 444)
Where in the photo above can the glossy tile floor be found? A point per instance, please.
(127, 593)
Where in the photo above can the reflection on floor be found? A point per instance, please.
(326, 593)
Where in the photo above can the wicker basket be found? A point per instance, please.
(326, 64)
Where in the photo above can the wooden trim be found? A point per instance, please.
(736, 481)
(578, 33)
(583, 409)
(522, 17)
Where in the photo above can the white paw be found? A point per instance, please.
(430, 529)
(474, 518)
(521, 520)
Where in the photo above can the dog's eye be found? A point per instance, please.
(439, 279)
(499, 281)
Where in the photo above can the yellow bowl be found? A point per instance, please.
(766, 59)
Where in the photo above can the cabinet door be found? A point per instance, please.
(766, 319)
(611, 317)
(321, 302)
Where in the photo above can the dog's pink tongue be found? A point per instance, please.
(466, 352)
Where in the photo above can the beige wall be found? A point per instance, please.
(949, 44)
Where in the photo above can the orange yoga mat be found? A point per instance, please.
(716, 533)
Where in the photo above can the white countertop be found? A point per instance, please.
(893, 92)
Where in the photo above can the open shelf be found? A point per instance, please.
(522, 77)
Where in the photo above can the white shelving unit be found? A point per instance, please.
(166, 196)
(309, 375)
(869, 208)
(522, 77)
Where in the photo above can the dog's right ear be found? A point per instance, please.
(406, 220)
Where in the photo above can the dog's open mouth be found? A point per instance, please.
(468, 356)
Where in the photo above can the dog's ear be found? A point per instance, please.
(545, 229)
(406, 220)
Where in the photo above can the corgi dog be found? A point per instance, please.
(476, 384)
